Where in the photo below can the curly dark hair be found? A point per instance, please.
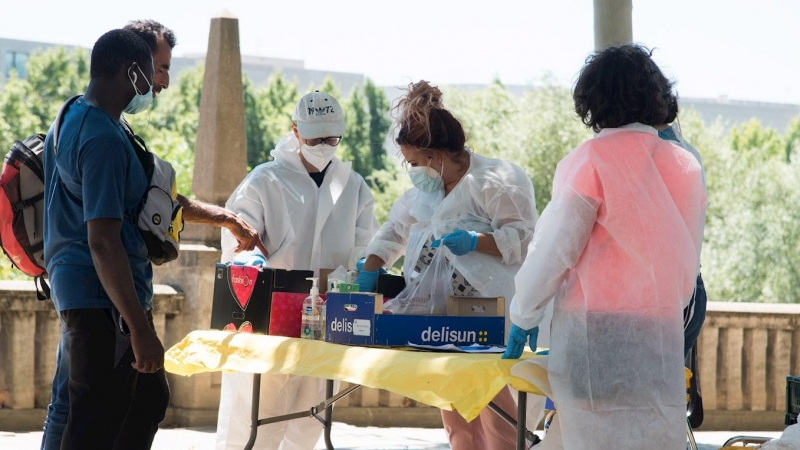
(116, 49)
(424, 122)
(150, 31)
(622, 85)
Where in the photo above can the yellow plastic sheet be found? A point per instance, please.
(464, 382)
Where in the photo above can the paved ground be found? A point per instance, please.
(344, 437)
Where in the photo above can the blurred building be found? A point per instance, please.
(14, 55)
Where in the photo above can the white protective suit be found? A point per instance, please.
(619, 246)
(303, 227)
(493, 197)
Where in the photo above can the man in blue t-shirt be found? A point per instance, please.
(161, 41)
(96, 259)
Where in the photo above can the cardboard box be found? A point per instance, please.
(323, 279)
(476, 306)
(357, 319)
(348, 287)
(243, 295)
(286, 313)
(390, 285)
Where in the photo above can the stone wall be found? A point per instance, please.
(746, 350)
(29, 334)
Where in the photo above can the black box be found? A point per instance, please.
(390, 285)
(243, 295)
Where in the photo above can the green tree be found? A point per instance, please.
(30, 105)
(273, 107)
(534, 130)
(54, 76)
(751, 236)
(792, 138)
(752, 140)
(379, 122)
(254, 123)
(329, 87)
(355, 143)
(17, 120)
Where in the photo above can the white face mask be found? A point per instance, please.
(141, 100)
(426, 179)
(319, 155)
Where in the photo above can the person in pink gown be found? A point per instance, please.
(617, 250)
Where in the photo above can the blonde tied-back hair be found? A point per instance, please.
(423, 121)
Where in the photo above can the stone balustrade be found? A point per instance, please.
(746, 350)
(29, 334)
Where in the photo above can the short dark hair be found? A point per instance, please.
(622, 85)
(114, 50)
(150, 31)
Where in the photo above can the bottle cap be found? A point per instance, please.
(314, 286)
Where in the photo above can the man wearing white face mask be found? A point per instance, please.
(96, 260)
(311, 211)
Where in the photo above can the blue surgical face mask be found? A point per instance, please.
(426, 179)
(140, 101)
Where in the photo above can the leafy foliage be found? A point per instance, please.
(752, 241)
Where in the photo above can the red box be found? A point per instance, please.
(286, 313)
(243, 296)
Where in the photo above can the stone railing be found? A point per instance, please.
(746, 351)
(29, 334)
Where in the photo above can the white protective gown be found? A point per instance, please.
(619, 247)
(493, 197)
(303, 227)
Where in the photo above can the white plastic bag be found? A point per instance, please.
(340, 275)
(426, 294)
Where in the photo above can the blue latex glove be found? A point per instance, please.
(360, 266)
(367, 280)
(516, 341)
(251, 260)
(460, 242)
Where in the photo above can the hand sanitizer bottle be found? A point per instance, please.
(310, 327)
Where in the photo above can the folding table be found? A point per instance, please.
(460, 381)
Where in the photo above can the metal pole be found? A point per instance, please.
(613, 23)
(522, 400)
(254, 411)
(328, 415)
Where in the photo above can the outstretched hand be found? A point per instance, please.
(247, 237)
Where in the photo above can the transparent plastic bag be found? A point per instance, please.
(426, 294)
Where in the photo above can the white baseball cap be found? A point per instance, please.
(318, 115)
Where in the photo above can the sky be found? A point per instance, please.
(739, 49)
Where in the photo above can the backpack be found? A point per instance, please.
(159, 215)
(22, 210)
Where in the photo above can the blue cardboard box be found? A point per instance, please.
(357, 319)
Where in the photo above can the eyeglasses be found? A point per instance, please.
(333, 141)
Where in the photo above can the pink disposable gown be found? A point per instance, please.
(619, 247)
